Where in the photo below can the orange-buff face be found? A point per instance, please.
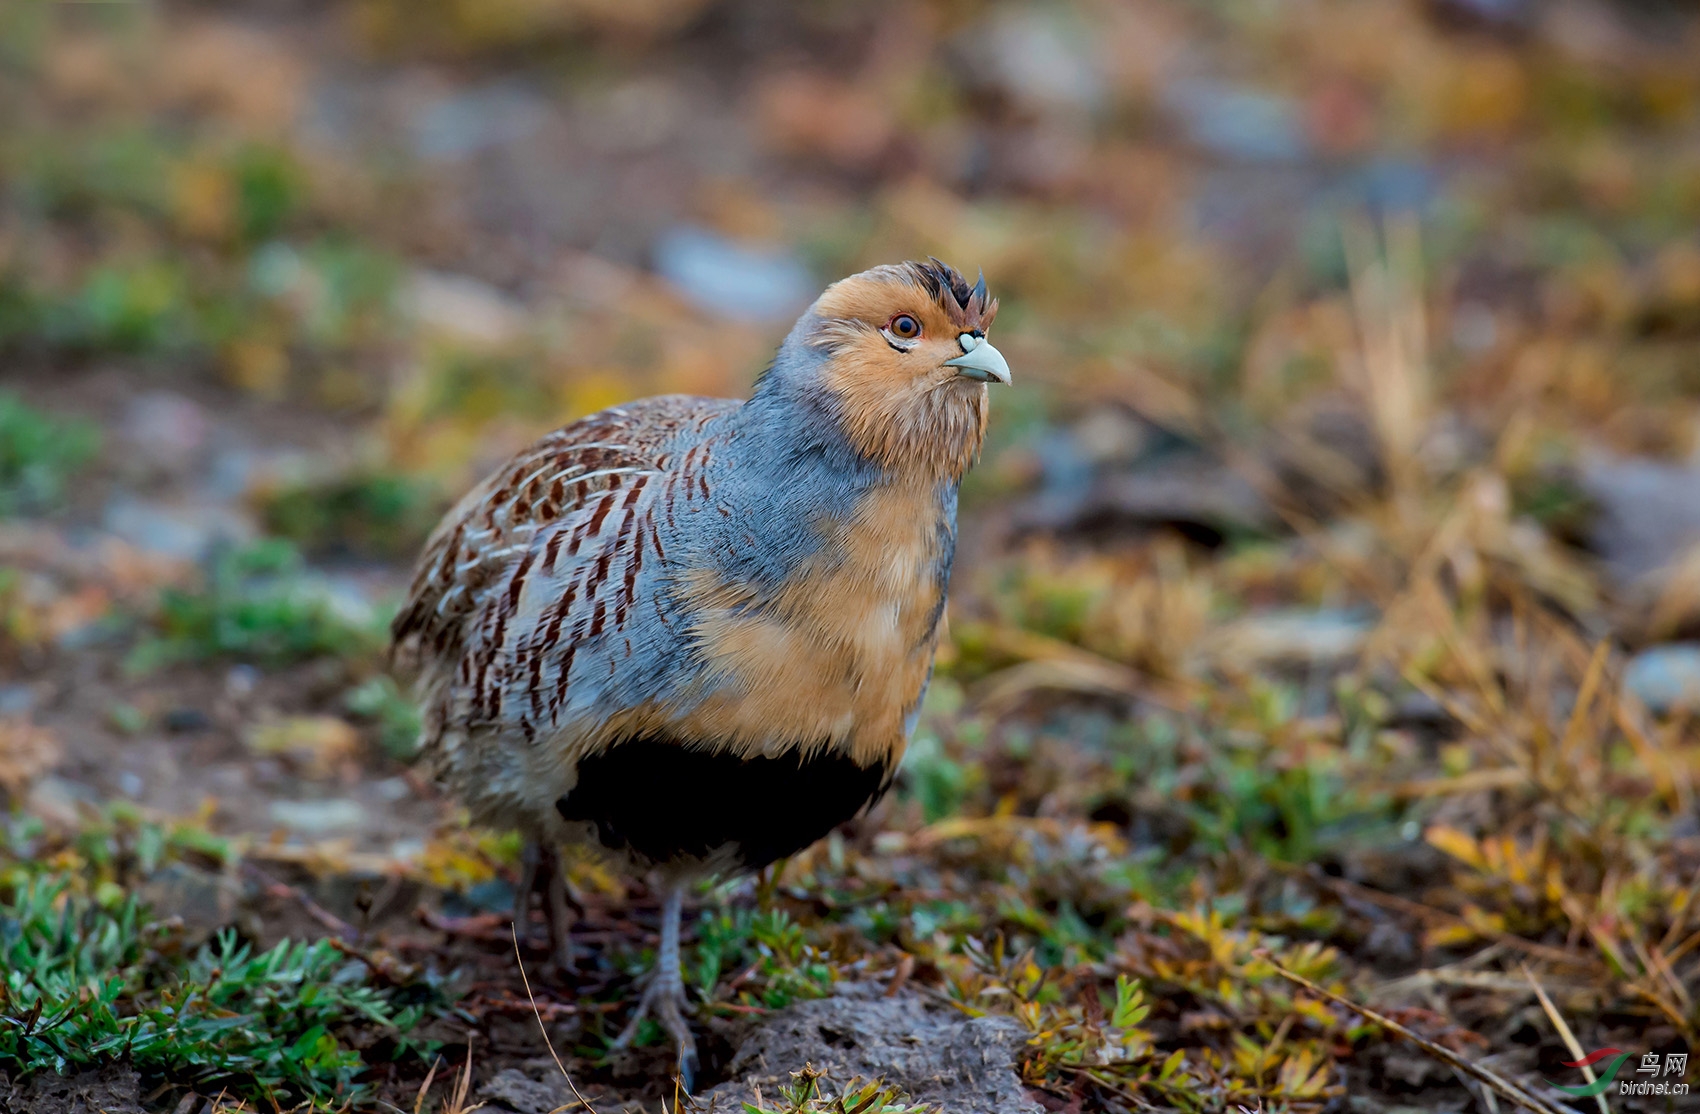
(910, 363)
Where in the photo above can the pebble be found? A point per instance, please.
(16, 700)
(1041, 58)
(730, 279)
(1665, 678)
(464, 309)
(313, 817)
(165, 430)
(1295, 637)
(1648, 512)
(1237, 122)
(180, 532)
(451, 128)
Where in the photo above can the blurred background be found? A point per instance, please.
(1325, 584)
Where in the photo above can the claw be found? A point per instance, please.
(664, 997)
(666, 1003)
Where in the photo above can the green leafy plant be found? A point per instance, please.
(38, 455)
(381, 701)
(811, 1092)
(255, 604)
(768, 954)
(87, 982)
(367, 514)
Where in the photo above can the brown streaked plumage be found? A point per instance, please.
(694, 633)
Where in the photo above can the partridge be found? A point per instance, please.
(694, 634)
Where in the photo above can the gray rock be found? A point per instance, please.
(1294, 636)
(930, 1050)
(314, 817)
(1238, 122)
(464, 309)
(182, 531)
(1648, 512)
(513, 1090)
(16, 700)
(164, 431)
(730, 279)
(1041, 57)
(1665, 678)
(454, 127)
(202, 899)
(1180, 488)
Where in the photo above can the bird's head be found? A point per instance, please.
(902, 358)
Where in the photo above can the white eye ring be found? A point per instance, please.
(903, 343)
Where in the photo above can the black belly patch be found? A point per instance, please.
(666, 801)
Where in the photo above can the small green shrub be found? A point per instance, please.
(38, 454)
(381, 701)
(367, 514)
(85, 983)
(256, 604)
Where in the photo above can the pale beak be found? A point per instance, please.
(980, 361)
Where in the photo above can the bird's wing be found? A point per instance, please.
(496, 522)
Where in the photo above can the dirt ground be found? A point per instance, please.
(1327, 592)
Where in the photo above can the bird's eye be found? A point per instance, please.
(904, 327)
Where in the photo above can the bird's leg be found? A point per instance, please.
(536, 858)
(529, 858)
(665, 994)
(560, 920)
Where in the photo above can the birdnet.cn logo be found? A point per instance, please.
(1656, 1075)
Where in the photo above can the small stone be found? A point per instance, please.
(58, 802)
(1649, 512)
(513, 1090)
(732, 279)
(182, 532)
(204, 900)
(16, 700)
(165, 431)
(1666, 678)
(464, 309)
(934, 1053)
(186, 721)
(1293, 636)
(315, 817)
(1241, 123)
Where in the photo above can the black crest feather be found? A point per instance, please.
(950, 289)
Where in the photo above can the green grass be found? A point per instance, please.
(38, 455)
(784, 967)
(255, 604)
(88, 983)
(365, 514)
(811, 1092)
(381, 702)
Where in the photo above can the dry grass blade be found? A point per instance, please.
(547, 1043)
(425, 1087)
(1505, 1087)
(1573, 730)
(1564, 1032)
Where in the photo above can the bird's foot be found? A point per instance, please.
(536, 860)
(664, 1000)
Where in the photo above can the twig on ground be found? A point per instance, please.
(285, 892)
(541, 1028)
(1564, 1033)
(1518, 1094)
